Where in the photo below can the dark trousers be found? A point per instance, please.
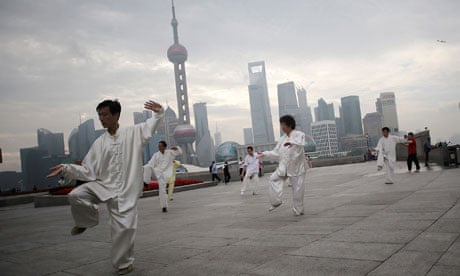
(215, 176)
(412, 158)
(227, 177)
(427, 158)
(241, 171)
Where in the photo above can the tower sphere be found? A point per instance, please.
(177, 53)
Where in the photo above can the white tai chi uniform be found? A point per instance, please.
(161, 164)
(292, 166)
(387, 154)
(252, 173)
(113, 169)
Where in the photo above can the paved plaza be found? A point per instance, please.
(354, 224)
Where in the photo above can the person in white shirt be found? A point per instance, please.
(386, 148)
(292, 166)
(250, 171)
(113, 171)
(241, 166)
(161, 164)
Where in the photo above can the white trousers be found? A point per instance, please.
(162, 182)
(250, 180)
(84, 207)
(390, 170)
(298, 190)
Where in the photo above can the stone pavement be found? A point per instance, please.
(354, 225)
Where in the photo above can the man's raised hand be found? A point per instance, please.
(154, 106)
(55, 171)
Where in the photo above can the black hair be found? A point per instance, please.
(113, 105)
(410, 133)
(163, 143)
(250, 147)
(288, 120)
(386, 128)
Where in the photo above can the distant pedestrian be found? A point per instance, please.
(426, 150)
(241, 165)
(214, 171)
(292, 166)
(226, 173)
(386, 149)
(412, 152)
(309, 165)
(250, 171)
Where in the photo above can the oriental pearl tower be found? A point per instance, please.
(184, 134)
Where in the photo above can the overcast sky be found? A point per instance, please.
(60, 58)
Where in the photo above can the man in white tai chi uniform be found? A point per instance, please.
(250, 171)
(113, 171)
(161, 164)
(386, 148)
(292, 165)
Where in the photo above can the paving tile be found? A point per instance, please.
(407, 263)
(348, 250)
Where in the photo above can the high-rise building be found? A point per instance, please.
(152, 146)
(305, 111)
(204, 145)
(248, 136)
(386, 105)
(184, 134)
(351, 115)
(53, 143)
(373, 127)
(261, 116)
(287, 101)
(324, 111)
(325, 135)
(82, 138)
(217, 138)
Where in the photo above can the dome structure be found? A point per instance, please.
(184, 134)
(177, 53)
(227, 151)
(310, 144)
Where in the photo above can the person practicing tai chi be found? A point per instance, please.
(172, 179)
(112, 170)
(386, 148)
(292, 166)
(162, 165)
(250, 172)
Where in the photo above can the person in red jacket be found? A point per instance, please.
(412, 152)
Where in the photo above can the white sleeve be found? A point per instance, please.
(148, 128)
(273, 153)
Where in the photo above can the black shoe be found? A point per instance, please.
(165, 210)
(77, 230)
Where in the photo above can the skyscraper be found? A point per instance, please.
(184, 133)
(351, 112)
(82, 138)
(305, 111)
(287, 101)
(386, 105)
(324, 111)
(204, 147)
(152, 146)
(52, 143)
(325, 135)
(261, 116)
(373, 127)
(248, 136)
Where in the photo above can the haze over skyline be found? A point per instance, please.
(60, 58)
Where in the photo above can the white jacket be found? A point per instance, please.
(292, 160)
(113, 165)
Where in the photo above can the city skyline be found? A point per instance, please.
(62, 59)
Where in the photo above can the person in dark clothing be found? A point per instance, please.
(226, 173)
(426, 150)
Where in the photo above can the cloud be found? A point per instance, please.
(60, 58)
